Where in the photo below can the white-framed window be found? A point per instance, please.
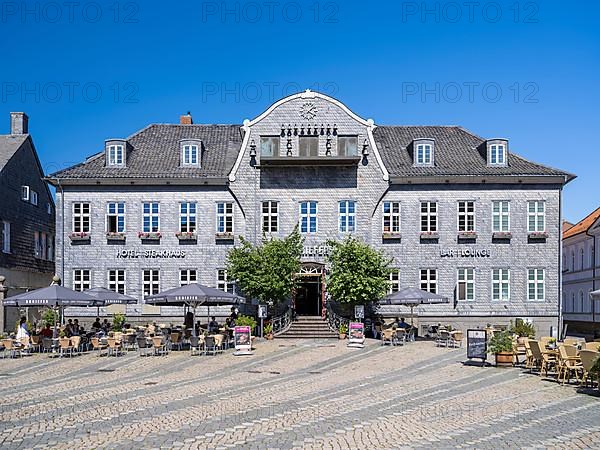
(49, 208)
(270, 216)
(187, 276)
(429, 217)
(391, 217)
(347, 216)
(115, 155)
(39, 244)
(5, 237)
(466, 215)
(224, 217)
(466, 284)
(269, 145)
(223, 282)
(536, 216)
(348, 145)
(308, 217)
(500, 216)
(497, 154)
(150, 217)
(424, 154)
(500, 284)
(81, 280)
(190, 155)
(25, 193)
(428, 280)
(536, 284)
(115, 217)
(187, 217)
(49, 248)
(34, 198)
(116, 280)
(394, 281)
(309, 145)
(150, 282)
(81, 217)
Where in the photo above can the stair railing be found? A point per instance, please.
(334, 321)
(282, 323)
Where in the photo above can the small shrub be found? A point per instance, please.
(118, 322)
(501, 342)
(245, 321)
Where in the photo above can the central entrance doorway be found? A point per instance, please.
(309, 292)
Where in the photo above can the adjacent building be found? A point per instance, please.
(27, 214)
(581, 275)
(460, 215)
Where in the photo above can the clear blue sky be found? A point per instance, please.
(527, 71)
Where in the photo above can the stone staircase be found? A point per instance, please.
(309, 327)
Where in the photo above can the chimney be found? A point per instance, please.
(187, 119)
(19, 123)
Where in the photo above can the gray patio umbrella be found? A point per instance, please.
(108, 297)
(53, 296)
(193, 295)
(412, 297)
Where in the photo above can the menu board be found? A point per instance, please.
(242, 338)
(477, 344)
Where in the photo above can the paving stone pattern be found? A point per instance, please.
(290, 394)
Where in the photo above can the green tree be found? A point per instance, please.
(358, 273)
(267, 271)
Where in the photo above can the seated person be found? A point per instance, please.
(213, 325)
(75, 328)
(105, 325)
(403, 324)
(97, 325)
(46, 331)
(68, 328)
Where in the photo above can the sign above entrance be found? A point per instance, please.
(133, 254)
(466, 253)
(312, 251)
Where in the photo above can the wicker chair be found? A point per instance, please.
(76, 343)
(114, 347)
(210, 345)
(568, 363)
(529, 361)
(160, 345)
(196, 345)
(36, 343)
(443, 338)
(65, 347)
(48, 345)
(536, 355)
(587, 362)
(387, 336)
(98, 346)
(144, 347)
(456, 339)
(9, 346)
(176, 340)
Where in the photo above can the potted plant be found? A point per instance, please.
(118, 322)
(501, 345)
(523, 330)
(268, 331)
(343, 331)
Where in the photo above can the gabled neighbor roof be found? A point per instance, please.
(155, 154)
(456, 152)
(583, 225)
(9, 144)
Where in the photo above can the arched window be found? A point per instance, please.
(573, 302)
(582, 252)
(580, 301)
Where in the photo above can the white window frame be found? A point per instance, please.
(347, 219)
(394, 280)
(344, 142)
(272, 143)
(6, 237)
(536, 282)
(190, 155)
(308, 142)
(536, 217)
(118, 215)
(424, 154)
(428, 278)
(430, 215)
(116, 280)
(152, 285)
(39, 244)
(25, 193)
(466, 215)
(500, 214)
(187, 276)
(116, 155)
(466, 276)
(222, 218)
(497, 154)
(270, 216)
(502, 281)
(79, 217)
(151, 215)
(306, 217)
(392, 212)
(82, 279)
(188, 217)
(49, 208)
(223, 282)
(34, 198)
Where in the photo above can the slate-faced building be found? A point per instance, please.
(461, 215)
(26, 214)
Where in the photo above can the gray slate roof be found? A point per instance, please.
(155, 154)
(9, 144)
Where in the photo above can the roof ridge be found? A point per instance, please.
(578, 228)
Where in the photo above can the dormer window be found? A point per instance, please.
(348, 146)
(190, 153)
(497, 152)
(115, 153)
(423, 152)
(309, 146)
(269, 146)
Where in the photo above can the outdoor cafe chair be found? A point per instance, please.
(48, 345)
(387, 336)
(159, 344)
(594, 346)
(210, 345)
(65, 347)
(129, 341)
(400, 336)
(219, 342)
(11, 348)
(456, 339)
(76, 343)
(196, 345)
(36, 343)
(536, 355)
(114, 347)
(528, 355)
(176, 340)
(144, 347)
(98, 346)
(568, 363)
(587, 362)
(443, 338)
(549, 360)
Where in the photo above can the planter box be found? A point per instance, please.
(186, 236)
(386, 236)
(504, 359)
(80, 237)
(467, 235)
(149, 236)
(429, 236)
(538, 235)
(501, 235)
(224, 236)
(115, 236)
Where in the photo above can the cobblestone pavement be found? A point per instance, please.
(289, 395)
